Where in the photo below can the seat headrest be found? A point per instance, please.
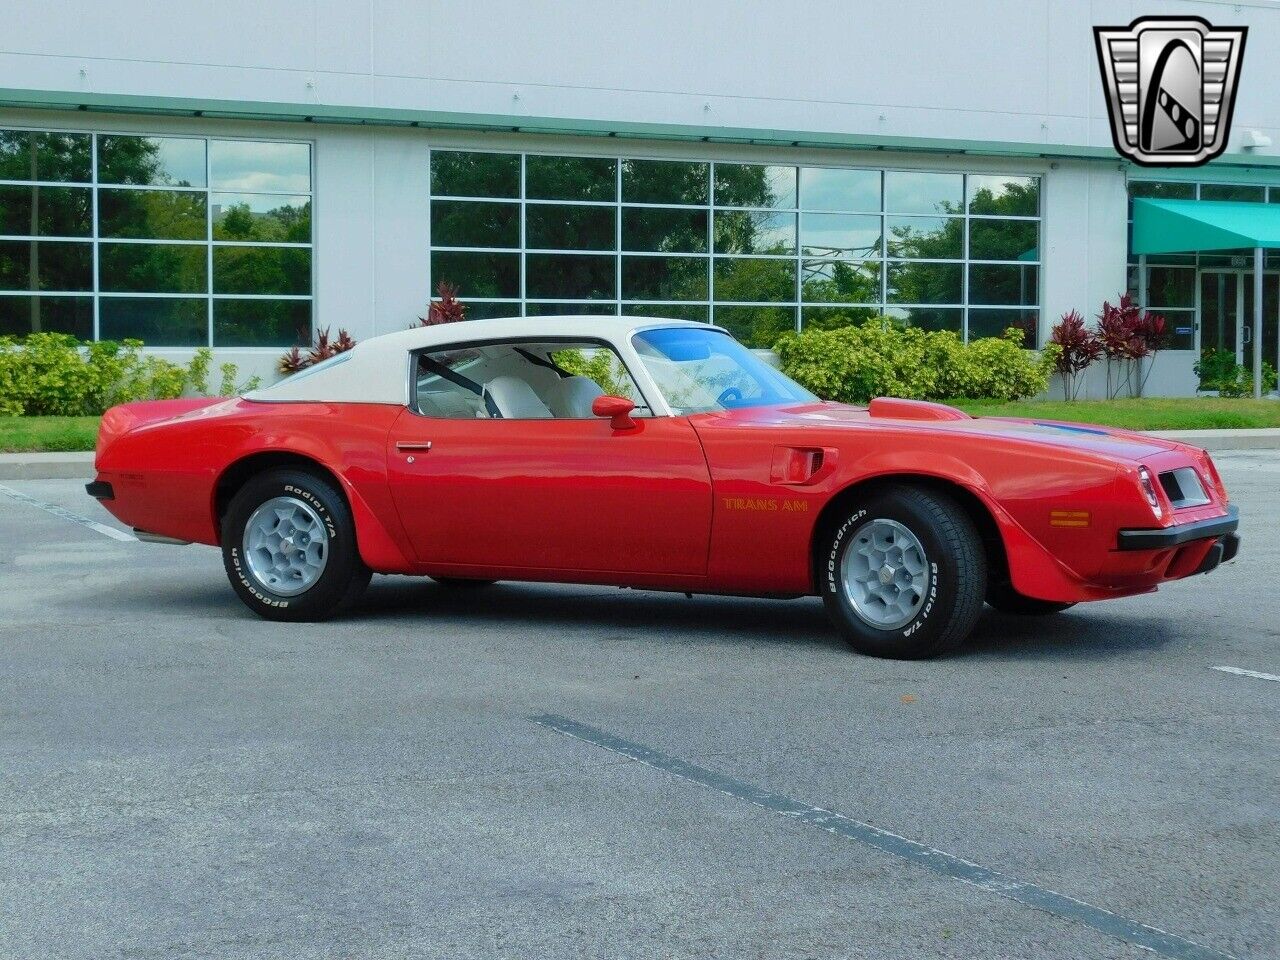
(572, 397)
(515, 399)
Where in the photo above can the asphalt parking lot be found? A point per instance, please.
(180, 779)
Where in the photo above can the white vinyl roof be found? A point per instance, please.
(377, 369)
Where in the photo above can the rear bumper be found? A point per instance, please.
(1166, 538)
(1223, 549)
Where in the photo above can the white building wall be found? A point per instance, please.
(1011, 71)
(821, 82)
(371, 216)
(402, 217)
(1083, 238)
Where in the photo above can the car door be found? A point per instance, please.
(551, 493)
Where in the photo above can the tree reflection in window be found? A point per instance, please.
(155, 218)
(264, 218)
(747, 244)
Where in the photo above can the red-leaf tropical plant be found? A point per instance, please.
(324, 348)
(1078, 348)
(292, 362)
(1129, 336)
(1151, 334)
(447, 309)
(344, 342)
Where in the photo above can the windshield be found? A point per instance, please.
(704, 370)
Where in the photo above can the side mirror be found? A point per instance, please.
(617, 409)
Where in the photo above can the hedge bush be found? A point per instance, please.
(1218, 370)
(880, 358)
(52, 374)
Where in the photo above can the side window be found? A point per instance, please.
(602, 367)
(443, 387)
(522, 381)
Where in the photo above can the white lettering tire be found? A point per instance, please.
(903, 574)
(267, 560)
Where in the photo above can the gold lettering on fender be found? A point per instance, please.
(765, 504)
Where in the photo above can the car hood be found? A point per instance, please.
(932, 419)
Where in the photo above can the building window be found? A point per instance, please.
(761, 249)
(175, 241)
(1172, 287)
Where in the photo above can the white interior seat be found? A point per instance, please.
(571, 397)
(541, 379)
(515, 399)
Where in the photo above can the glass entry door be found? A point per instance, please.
(1226, 314)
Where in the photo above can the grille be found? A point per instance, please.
(1183, 488)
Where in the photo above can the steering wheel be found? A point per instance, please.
(727, 395)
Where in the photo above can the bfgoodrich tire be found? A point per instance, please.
(289, 547)
(903, 574)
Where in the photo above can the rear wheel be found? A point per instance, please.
(1004, 598)
(903, 574)
(289, 547)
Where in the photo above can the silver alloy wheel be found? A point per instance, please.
(885, 574)
(286, 546)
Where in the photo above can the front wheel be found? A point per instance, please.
(289, 547)
(903, 574)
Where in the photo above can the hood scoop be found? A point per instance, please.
(892, 408)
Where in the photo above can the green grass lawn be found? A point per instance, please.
(1155, 413)
(28, 434)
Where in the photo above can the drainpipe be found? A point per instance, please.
(1257, 323)
(1142, 309)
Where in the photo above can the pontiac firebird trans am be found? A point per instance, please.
(656, 454)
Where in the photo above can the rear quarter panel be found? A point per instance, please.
(165, 473)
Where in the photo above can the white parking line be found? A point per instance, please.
(1241, 672)
(65, 514)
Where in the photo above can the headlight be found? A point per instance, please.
(1149, 488)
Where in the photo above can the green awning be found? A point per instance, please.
(1186, 226)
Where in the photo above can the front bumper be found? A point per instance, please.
(100, 490)
(1166, 538)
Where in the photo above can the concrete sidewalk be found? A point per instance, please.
(46, 466)
(1216, 440)
(65, 466)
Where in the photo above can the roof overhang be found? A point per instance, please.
(1187, 226)
(364, 114)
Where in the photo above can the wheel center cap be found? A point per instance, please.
(886, 574)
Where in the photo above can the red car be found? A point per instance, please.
(654, 454)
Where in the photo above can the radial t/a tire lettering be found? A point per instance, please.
(289, 547)
(903, 573)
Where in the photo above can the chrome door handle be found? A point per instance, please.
(404, 445)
